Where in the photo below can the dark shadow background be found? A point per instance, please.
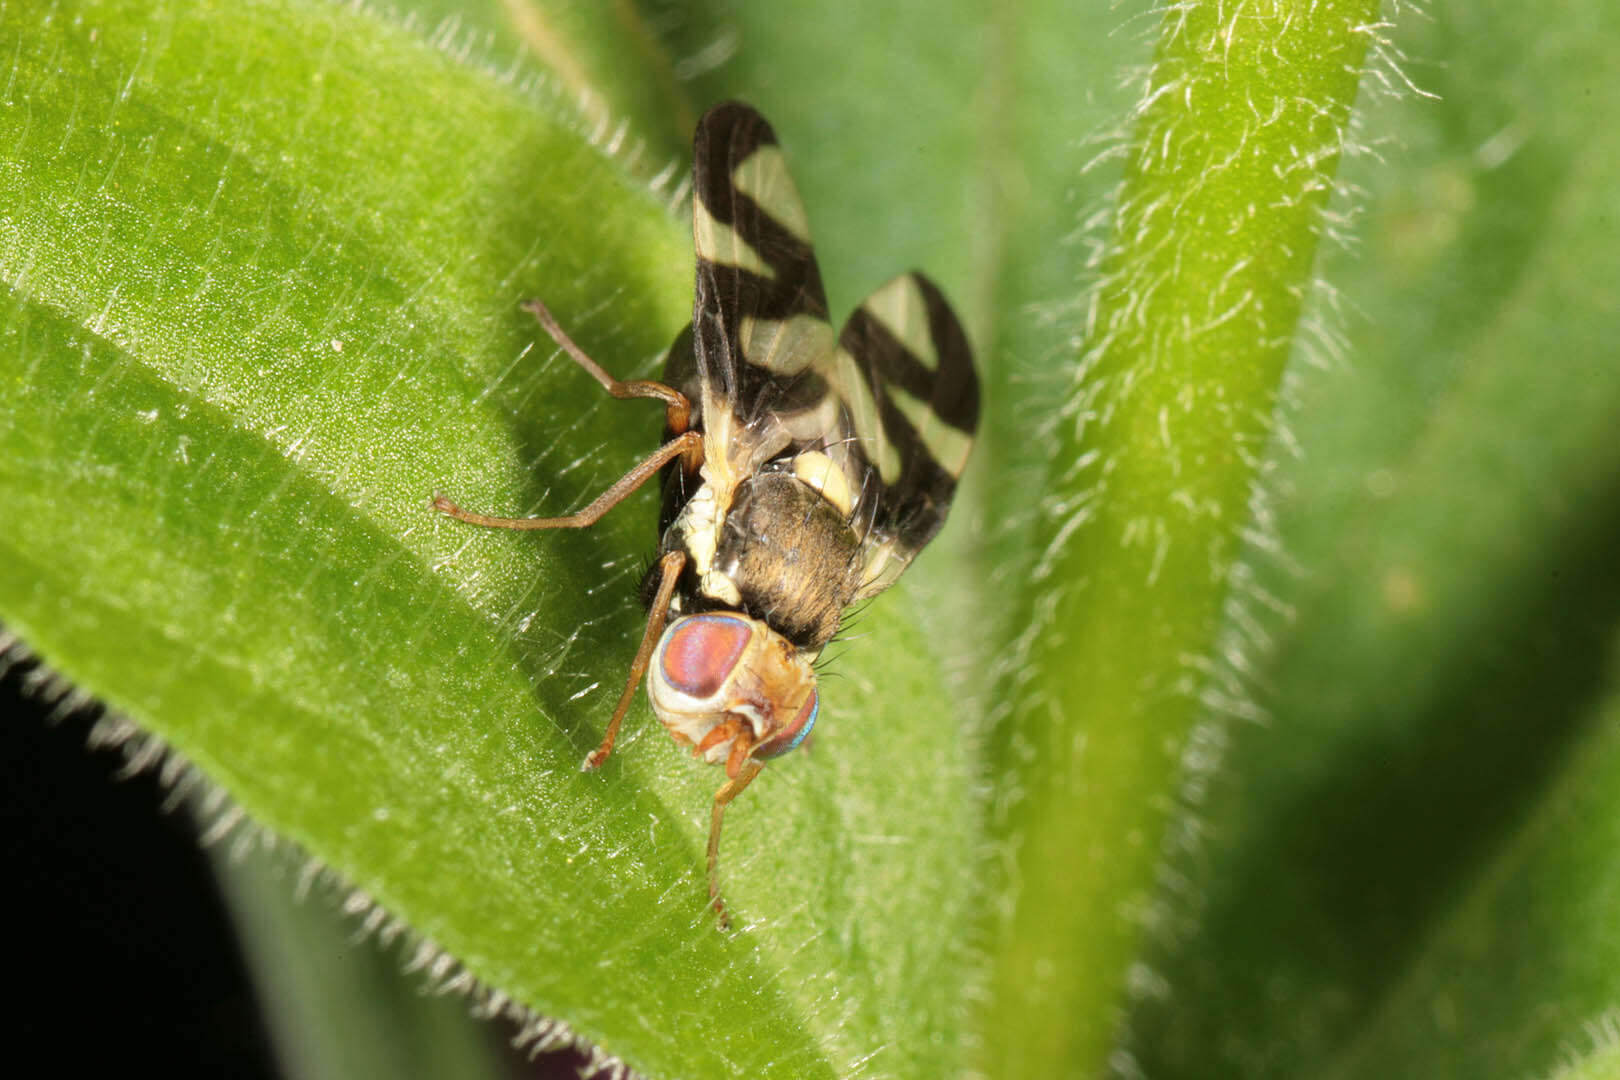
(121, 945)
(122, 949)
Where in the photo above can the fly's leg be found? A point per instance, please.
(669, 570)
(687, 444)
(728, 791)
(677, 410)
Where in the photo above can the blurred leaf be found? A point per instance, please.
(1601, 1063)
(1158, 440)
(335, 1003)
(1525, 955)
(1452, 511)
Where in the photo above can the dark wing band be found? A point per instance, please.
(914, 407)
(760, 312)
(879, 419)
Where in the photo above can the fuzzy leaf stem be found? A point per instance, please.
(1231, 163)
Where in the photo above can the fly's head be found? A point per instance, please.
(732, 688)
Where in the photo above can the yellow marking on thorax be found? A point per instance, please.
(817, 470)
(700, 533)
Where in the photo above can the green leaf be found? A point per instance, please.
(1600, 1063)
(262, 267)
(607, 59)
(1158, 443)
(1541, 904)
(1405, 871)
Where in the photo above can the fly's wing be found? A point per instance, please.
(904, 372)
(760, 315)
(879, 419)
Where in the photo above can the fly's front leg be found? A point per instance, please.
(722, 798)
(669, 570)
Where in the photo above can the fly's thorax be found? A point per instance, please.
(792, 554)
(776, 547)
(829, 479)
(697, 531)
(722, 666)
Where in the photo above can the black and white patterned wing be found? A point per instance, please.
(904, 372)
(879, 419)
(760, 313)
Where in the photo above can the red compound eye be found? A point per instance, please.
(700, 652)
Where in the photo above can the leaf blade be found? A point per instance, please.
(290, 350)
